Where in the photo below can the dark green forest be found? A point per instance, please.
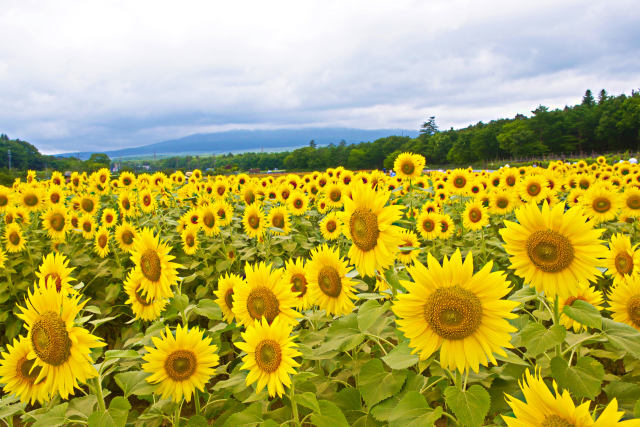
(602, 124)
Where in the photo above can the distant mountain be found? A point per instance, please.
(236, 141)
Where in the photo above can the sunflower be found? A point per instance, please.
(296, 276)
(55, 196)
(18, 376)
(533, 188)
(101, 242)
(631, 202)
(265, 294)
(127, 204)
(409, 165)
(190, 241)
(541, 407)
(450, 308)
(125, 235)
(226, 287)
(409, 240)
(502, 202)
(61, 350)
(87, 225)
(574, 198)
(270, 351)
(475, 215)
(55, 270)
(224, 211)
(127, 179)
(298, 203)
(249, 194)
(192, 216)
(278, 220)
(180, 364)
(88, 203)
(330, 226)
(601, 204)
(157, 272)
(55, 220)
(553, 250)
(3, 258)
(510, 178)
(108, 218)
(22, 215)
(147, 201)
(427, 225)
(13, 240)
(622, 260)
(329, 286)
(624, 302)
(6, 196)
(587, 294)
(31, 198)
(458, 181)
(368, 224)
(144, 308)
(208, 221)
(334, 195)
(253, 220)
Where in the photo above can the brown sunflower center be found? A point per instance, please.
(633, 310)
(87, 205)
(335, 195)
(50, 339)
(142, 300)
(86, 226)
(190, 240)
(453, 313)
(511, 181)
(459, 182)
(23, 370)
(278, 220)
(221, 190)
(126, 204)
(102, 240)
(330, 282)
(146, 200)
(14, 238)
(298, 203)
(268, 355)
(550, 251)
(30, 199)
(331, 226)
(573, 299)
(502, 203)
(57, 221)
(127, 237)
(109, 218)
(408, 168)
(126, 181)
(299, 284)
(263, 302)
(180, 365)
(150, 265)
(254, 221)
(74, 222)
(601, 205)
(475, 215)
(624, 263)
(633, 202)
(4, 200)
(428, 225)
(209, 219)
(228, 298)
(364, 229)
(533, 189)
(249, 197)
(555, 421)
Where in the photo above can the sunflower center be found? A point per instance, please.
(254, 221)
(221, 190)
(408, 168)
(14, 238)
(624, 263)
(126, 181)
(209, 219)
(428, 225)
(453, 313)
(127, 237)
(550, 251)
(330, 282)
(50, 339)
(459, 182)
(228, 298)
(555, 421)
(249, 197)
(331, 226)
(126, 204)
(263, 302)
(3, 200)
(633, 310)
(30, 199)
(511, 181)
(109, 218)
(180, 365)
(633, 202)
(364, 229)
(268, 355)
(102, 240)
(221, 213)
(57, 221)
(87, 205)
(299, 284)
(278, 220)
(601, 205)
(297, 203)
(190, 240)
(86, 226)
(533, 189)
(24, 370)
(141, 298)
(146, 200)
(150, 265)
(475, 215)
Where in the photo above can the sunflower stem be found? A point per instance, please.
(294, 405)
(466, 377)
(176, 415)
(97, 383)
(196, 400)
(556, 321)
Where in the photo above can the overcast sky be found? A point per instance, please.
(88, 75)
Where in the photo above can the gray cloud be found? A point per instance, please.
(82, 75)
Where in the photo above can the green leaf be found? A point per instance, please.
(330, 416)
(539, 339)
(119, 354)
(471, 406)
(367, 421)
(582, 380)
(368, 313)
(82, 407)
(55, 416)
(308, 400)
(180, 302)
(622, 336)
(584, 313)
(209, 309)
(524, 294)
(134, 382)
(115, 416)
(197, 421)
(401, 357)
(249, 417)
(414, 411)
(376, 384)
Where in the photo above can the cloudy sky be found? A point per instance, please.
(83, 75)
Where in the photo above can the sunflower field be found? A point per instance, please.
(334, 298)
